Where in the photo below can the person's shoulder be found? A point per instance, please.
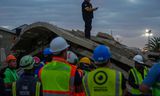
(155, 66)
(7, 71)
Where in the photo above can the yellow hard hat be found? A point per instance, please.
(85, 60)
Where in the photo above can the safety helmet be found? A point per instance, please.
(10, 57)
(36, 59)
(27, 62)
(72, 57)
(58, 44)
(138, 58)
(47, 51)
(101, 53)
(85, 60)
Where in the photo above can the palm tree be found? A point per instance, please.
(154, 44)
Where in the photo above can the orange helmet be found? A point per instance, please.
(10, 57)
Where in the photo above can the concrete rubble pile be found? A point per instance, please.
(35, 37)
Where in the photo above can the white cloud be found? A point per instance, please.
(133, 1)
(7, 27)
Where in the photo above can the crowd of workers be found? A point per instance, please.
(61, 73)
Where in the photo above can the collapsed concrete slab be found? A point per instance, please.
(37, 36)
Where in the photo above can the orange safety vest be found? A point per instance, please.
(59, 92)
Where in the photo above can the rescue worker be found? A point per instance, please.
(87, 14)
(72, 58)
(28, 84)
(10, 73)
(58, 76)
(103, 81)
(47, 55)
(152, 80)
(37, 65)
(136, 75)
(85, 64)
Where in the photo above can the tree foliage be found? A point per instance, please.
(154, 44)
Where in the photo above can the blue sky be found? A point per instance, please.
(127, 19)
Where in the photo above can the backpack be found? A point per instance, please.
(26, 86)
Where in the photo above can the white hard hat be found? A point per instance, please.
(72, 57)
(58, 44)
(139, 59)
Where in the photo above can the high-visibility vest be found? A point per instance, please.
(26, 86)
(103, 82)
(138, 79)
(57, 78)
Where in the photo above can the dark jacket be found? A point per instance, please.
(86, 15)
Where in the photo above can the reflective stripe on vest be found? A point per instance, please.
(14, 88)
(99, 82)
(117, 85)
(59, 80)
(38, 84)
(138, 79)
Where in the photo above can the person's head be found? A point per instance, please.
(37, 61)
(138, 59)
(85, 63)
(72, 58)
(27, 62)
(12, 61)
(59, 47)
(47, 55)
(47, 52)
(101, 55)
(85, 60)
(87, 0)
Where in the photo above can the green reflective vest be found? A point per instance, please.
(57, 79)
(156, 89)
(103, 82)
(10, 76)
(138, 79)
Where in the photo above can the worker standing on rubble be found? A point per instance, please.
(103, 81)
(136, 75)
(10, 73)
(152, 80)
(28, 84)
(58, 76)
(87, 14)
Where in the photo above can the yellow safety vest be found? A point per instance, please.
(57, 79)
(138, 79)
(103, 82)
(156, 89)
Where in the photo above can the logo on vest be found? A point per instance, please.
(24, 91)
(100, 78)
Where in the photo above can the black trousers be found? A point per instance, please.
(88, 27)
